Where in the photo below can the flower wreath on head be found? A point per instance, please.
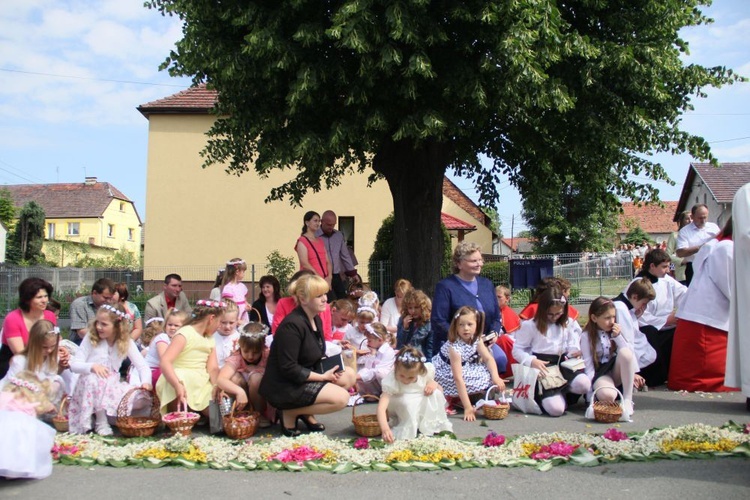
(211, 303)
(371, 331)
(407, 357)
(368, 299)
(235, 262)
(264, 331)
(24, 383)
(115, 311)
(156, 318)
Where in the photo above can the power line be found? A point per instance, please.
(729, 140)
(52, 75)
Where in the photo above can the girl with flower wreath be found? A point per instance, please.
(25, 442)
(98, 360)
(464, 366)
(40, 357)
(233, 288)
(413, 400)
(189, 369)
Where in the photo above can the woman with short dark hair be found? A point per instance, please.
(264, 308)
(33, 296)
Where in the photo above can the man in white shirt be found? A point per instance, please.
(692, 237)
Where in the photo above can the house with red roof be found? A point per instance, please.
(714, 187)
(226, 215)
(654, 219)
(86, 218)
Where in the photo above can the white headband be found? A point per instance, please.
(157, 318)
(371, 331)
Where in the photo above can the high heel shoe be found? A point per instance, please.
(287, 431)
(312, 427)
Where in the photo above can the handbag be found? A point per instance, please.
(553, 379)
(524, 389)
(325, 275)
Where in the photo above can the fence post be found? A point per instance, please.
(127, 279)
(10, 293)
(381, 274)
(252, 280)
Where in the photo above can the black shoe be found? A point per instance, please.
(312, 427)
(747, 404)
(287, 431)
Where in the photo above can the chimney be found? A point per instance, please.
(90, 181)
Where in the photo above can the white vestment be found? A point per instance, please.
(738, 348)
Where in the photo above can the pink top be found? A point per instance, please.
(238, 293)
(15, 326)
(237, 362)
(285, 305)
(318, 262)
(9, 402)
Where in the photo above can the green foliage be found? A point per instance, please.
(637, 236)
(28, 236)
(496, 225)
(383, 247)
(497, 272)
(7, 209)
(567, 100)
(281, 267)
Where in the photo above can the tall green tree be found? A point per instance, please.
(28, 235)
(7, 209)
(410, 88)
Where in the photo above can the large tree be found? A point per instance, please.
(28, 236)
(411, 88)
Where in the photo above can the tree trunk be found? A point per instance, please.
(415, 179)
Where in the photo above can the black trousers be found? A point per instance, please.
(688, 273)
(661, 340)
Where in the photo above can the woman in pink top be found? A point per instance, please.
(311, 250)
(285, 305)
(33, 296)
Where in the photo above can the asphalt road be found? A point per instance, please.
(664, 479)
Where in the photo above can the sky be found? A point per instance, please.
(72, 73)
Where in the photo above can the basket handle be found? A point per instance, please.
(354, 406)
(593, 394)
(260, 318)
(122, 408)
(234, 406)
(63, 405)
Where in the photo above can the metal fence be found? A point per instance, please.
(590, 275)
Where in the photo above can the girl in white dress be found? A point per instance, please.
(25, 442)
(413, 399)
(99, 390)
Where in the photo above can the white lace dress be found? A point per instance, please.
(409, 410)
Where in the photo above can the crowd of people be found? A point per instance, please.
(424, 356)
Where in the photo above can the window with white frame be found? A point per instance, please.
(131, 233)
(74, 228)
(51, 231)
(111, 230)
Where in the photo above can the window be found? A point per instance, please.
(74, 228)
(111, 230)
(122, 206)
(131, 232)
(51, 231)
(346, 226)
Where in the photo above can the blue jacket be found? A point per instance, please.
(450, 295)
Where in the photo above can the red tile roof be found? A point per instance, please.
(458, 197)
(64, 200)
(190, 101)
(653, 219)
(454, 223)
(518, 242)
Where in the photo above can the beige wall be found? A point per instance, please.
(199, 218)
(123, 220)
(482, 236)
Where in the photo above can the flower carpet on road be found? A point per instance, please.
(317, 452)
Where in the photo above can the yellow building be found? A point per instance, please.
(89, 218)
(199, 218)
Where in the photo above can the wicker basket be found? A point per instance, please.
(241, 424)
(137, 426)
(181, 421)
(496, 412)
(60, 421)
(607, 412)
(366, 425)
